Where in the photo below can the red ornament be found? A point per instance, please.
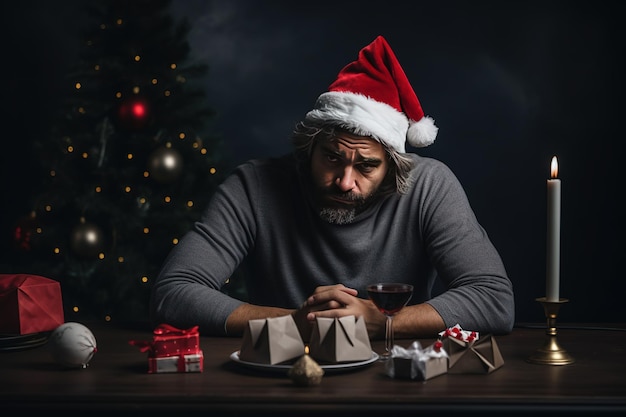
(134, 114)
(25, 233)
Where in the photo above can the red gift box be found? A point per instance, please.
(173, 350)
(29, 304)
(170, 341)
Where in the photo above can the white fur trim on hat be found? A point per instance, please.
(367, 117)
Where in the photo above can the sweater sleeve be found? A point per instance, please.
(187, 291)
(479, 294)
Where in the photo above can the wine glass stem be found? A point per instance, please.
(389, 335)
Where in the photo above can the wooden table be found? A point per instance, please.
(117, 380)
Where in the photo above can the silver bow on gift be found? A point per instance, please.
(412, 362)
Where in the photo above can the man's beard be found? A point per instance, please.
(337, 215)
(342, 215)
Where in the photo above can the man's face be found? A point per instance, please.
(347, 172)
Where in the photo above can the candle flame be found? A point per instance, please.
(554, 168)
(306, 349)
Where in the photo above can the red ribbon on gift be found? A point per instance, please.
(437, 346)
(166, 329)
(181, 363)
(171, 341)
(456, 333)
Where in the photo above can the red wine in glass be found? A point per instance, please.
(390, 298)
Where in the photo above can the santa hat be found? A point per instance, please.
(373, 97)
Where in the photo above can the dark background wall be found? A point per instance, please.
(510, 84)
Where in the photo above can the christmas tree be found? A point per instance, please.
(127, 166)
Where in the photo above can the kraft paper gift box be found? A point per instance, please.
(471, 354)
(29, 304)
(173, 350)
(342, 339)
(271, 341)
(417, 363)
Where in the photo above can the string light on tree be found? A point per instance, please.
(109, 158)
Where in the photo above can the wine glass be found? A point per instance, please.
(390, 298)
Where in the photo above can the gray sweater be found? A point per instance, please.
(261, 216)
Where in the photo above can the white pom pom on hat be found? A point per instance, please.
(373, 97)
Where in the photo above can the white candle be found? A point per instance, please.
(553, 233)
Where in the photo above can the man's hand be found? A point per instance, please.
(338, 301)
(420, 320)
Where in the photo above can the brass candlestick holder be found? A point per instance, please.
(551, 353)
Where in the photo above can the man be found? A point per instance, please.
(349, 207)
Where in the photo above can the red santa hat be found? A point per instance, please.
(373, 97)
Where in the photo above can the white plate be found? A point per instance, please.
(335, 367)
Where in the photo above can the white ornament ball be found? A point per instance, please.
(72, 345)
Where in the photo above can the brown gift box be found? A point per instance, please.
(342, 339)
(403, 368)
(29, 304)
(481, 356)
(417, 363)
(271, 341)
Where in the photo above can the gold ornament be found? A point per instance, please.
(165, 165)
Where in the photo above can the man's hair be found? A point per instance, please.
(306, 135)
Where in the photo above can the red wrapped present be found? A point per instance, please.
(29, 304)
(173, 350)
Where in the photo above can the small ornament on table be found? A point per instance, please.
(306, 372)
(72, 345)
